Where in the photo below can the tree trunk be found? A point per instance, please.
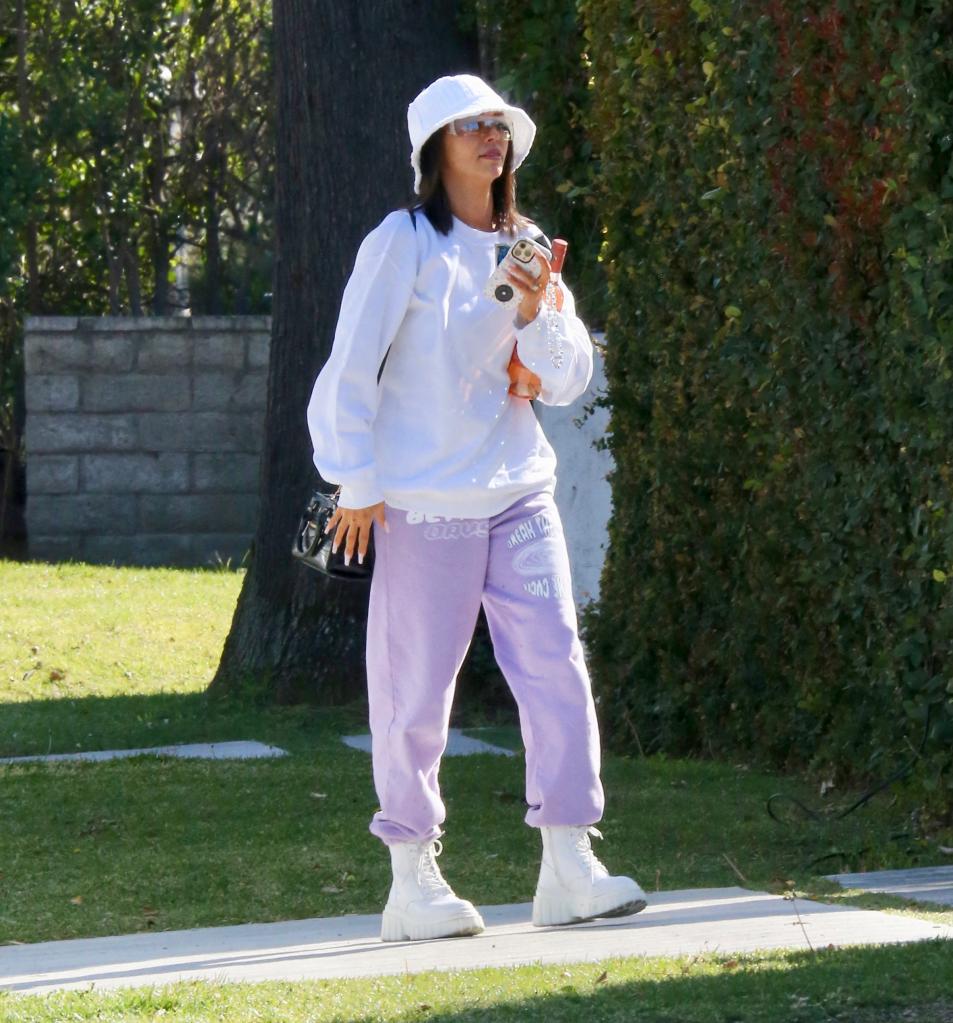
(212, 299)
(345, 74)
(159, 240)
(130, 265)
(23, 94)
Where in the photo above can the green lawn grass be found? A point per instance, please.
(98, 658)
(82, 630)
(906, 984)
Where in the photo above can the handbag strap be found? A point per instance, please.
(535, 235)
(413, 220)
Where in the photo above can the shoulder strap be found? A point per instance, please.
(537, 236)
(413, 220)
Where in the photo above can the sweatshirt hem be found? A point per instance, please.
(465, 506)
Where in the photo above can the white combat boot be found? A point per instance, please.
(574, 886)
(421, 904)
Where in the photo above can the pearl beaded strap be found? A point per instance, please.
(554, 337)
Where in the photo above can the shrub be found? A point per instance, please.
(776, 182)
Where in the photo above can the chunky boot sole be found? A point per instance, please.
(396, 926)
(557, 910)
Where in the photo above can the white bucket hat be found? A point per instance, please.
(456, 96)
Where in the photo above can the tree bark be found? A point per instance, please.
(23, 95)
(344, 76)
(214, 158)
(159, 239)
(130, 265)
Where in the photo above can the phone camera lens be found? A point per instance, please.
(503, 292)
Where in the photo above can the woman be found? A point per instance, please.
(455, 479)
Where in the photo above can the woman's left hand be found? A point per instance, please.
(532, 288)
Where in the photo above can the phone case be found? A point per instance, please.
(522, 253)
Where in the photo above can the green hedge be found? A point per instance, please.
(776, 184)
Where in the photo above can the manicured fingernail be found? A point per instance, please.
(347, 559)
(360, 558)
(334, 548)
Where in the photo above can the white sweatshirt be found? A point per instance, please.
(439, 434)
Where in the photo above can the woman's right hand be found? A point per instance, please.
(355, 528)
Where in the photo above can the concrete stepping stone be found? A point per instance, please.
(921, 884)
(458, 745)
(679, 923)
(236, 750)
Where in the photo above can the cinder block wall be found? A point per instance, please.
(143, 437)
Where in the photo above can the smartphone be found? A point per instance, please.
(523, 254)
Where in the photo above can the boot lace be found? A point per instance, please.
(583, 847)
(428, 873)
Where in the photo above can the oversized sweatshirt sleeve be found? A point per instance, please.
(558, 350)
(344, 399)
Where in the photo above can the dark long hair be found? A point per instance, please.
(433, 199)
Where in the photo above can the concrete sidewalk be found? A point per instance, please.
(918, 884)
(724, 920)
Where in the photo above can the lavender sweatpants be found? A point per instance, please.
(430, 576)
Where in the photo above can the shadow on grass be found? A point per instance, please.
(68, 725)
(857, 985)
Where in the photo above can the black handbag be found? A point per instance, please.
(312, 546)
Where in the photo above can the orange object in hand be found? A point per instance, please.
(524, 383)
